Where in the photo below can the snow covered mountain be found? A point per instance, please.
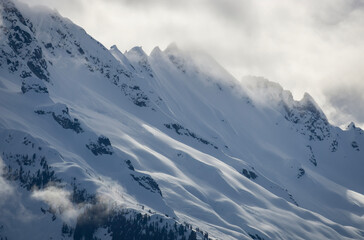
(100, 144)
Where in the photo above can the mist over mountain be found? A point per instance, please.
(306, 46)
(100, 144)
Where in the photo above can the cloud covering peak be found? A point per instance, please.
(306, 46)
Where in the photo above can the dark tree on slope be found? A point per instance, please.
(121, 226)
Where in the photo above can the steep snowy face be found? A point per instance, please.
(121, 58)
(38, 47)
(99, 144)
(307, 116)
(21, 53)
(139, 60)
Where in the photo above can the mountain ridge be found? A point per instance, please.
(136, 140)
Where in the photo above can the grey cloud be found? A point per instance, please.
(69, 6)
(144, 4)
(6, 190)
(59, 200)
(233, 10)
(347, 102)
(334, 12)
(11, 207)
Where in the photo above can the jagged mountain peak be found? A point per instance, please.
(308, 103)
(261, 89)
(114, 48)
(156, 50)
(137, 50)
(140, 61)
(267, 92)
(180, 59)
(351, 126)
(307, 117)
(172, 48)
(161, 145)
(121, 57)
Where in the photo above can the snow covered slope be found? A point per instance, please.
(98, 144)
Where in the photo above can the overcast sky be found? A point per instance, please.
(307, 46)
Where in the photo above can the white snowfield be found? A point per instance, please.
(170, 134)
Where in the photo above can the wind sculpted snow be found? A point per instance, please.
(95, 141)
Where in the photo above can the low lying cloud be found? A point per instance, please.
(6, 190)
(11, 207)
(59, 201)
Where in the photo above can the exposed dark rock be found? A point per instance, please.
(80, 50)
(180, 130)
(147, 183)
(27, 142)
(33, 86)
(102, 146)
(23, 52)
(334, 145)
(309, 118)
(49, 45)
(301, 172)
(135, 94)
(130, 166)
(18, 38)
(40, 112)
(37, 70)
(60, 114)
(13, 65)
(312, 156)
(67, 123)
(38, 65)
(355, 145)
(256, 237)
(291, 197)
(25, 74)
(249, 174)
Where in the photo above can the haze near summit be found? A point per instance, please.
(306, 46)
